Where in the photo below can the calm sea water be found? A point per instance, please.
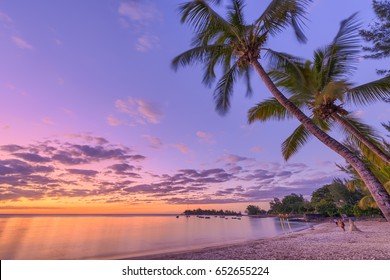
(121, 236)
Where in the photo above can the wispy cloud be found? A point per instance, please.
(256, 149)
(48, 121)
(140, 15)
(139, 11)
(4, 18)
(146, 43)
(112, 121)
(141, 110)
(154, 142)
(21, 43)
(205, 137)
(183, 148)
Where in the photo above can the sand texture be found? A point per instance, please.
(325, 242)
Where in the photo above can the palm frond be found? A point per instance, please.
(280, 61)
(209, 55)
(295, 141)
(224, 89)
(197, 55)
(283, 13)
(200, 15)
(366, 132)
(246, 73)
(364, 129)
(207, 23)
(301, 136)
(370, 92)
(342, 54)
(267, 110)
(236, 15)
(367, 202)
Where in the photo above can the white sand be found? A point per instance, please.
(325, 242)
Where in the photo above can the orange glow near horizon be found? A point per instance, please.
(150, 208)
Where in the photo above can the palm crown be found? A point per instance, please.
(322, 87)
(232, 43)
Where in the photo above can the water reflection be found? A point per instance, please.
(83, 237)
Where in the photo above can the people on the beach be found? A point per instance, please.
(341, 224)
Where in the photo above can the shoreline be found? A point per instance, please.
(160, 255)
(324, 241)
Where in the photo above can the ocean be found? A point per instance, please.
(125, 236)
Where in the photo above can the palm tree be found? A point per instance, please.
(238, 47)
(381, 172)
(321, 86)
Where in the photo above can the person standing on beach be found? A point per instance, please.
(341, 224)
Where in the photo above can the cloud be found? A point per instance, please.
(48, 121)
(229, 158)
(256, 149)
(183, 148)
(32, 157)
(58, 42)
(205, 137)
(112, 121)
(4, 18)
(154, 142)
(141, 110)
(21, 43)
(139, 15)
(18, 167)
(47, 169)
(139, 11)
(146, 43)
(122, 168)
(91, 169)
(83, 172)
(11, 148)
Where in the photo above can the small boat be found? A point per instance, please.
(177, 217)
(207, 217)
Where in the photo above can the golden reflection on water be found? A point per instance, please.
(94, 237)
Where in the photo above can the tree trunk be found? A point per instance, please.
(378, 192)
(361, 138)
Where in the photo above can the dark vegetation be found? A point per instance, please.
(212, 212)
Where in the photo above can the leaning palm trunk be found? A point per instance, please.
(361, 138)
(381, 197)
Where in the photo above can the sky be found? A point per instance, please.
(94, 120)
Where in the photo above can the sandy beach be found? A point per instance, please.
(325, 241)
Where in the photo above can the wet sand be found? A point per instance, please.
(323, 242)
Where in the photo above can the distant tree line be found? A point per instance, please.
(329, 200)
(212, 212)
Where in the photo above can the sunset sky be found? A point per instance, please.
(94, 120)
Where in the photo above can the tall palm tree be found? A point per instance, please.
(321, 86)
(239, 47)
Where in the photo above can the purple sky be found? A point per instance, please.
(92, 115)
